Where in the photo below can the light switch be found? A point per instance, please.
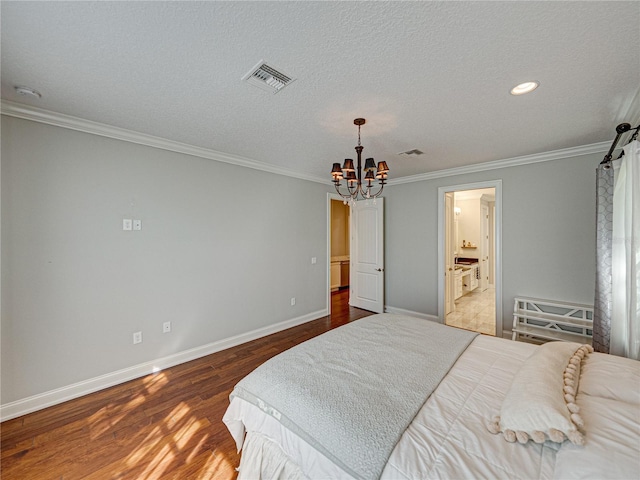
(126, 224)
(137, 224)
(314, 260)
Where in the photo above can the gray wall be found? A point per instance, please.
(548, 235)
(221, 251)
(224, 248)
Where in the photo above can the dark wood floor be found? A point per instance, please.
(165, 425)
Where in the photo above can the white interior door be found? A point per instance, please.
(367, 255)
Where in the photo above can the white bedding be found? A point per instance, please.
(449, 439)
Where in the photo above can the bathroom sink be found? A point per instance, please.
(466, 261)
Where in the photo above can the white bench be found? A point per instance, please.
(540, 321)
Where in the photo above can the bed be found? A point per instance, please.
(347, 404)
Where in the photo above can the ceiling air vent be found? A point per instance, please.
(411, 153)
(267, 78)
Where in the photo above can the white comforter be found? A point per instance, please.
(449, 439)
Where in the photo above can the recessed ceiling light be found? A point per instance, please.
(27, 92)
(523, 88)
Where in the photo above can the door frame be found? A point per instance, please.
(484, 247)
(332, 196)
(449, 273)
(497, 185)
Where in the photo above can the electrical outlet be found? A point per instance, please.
(137, 224)
(137, 337)
(166, 327)
(293, 301)
(127, 224)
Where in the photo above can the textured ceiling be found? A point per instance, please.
(428, 75)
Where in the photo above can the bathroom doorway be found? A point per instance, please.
(469, 257)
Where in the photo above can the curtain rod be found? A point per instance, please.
(620, 130)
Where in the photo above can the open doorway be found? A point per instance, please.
(469, 257)
(339, 253)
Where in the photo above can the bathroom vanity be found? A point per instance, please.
(467, 274)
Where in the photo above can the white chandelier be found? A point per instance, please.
(356, 185)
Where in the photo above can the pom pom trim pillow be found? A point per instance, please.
(541, 402)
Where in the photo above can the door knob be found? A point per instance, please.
(378, 269)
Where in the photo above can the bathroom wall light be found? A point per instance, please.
(523, 88)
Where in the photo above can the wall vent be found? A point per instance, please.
(267, 78)
(411, 153)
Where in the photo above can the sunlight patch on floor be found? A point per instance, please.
(182, 436)
(175, 435)
(153, 455)
(196, 449)
(109, 416)
(177, 414)
(159, 464)
(218, 466)
(145, 447)
(155, 382)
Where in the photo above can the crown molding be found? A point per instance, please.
(508, 162)
(36, 114)
(40, 115)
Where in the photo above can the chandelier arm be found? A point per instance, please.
(377, 194)
(350, 195)
(353, 190)
(340, 193)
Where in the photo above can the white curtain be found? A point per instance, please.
(625, 318)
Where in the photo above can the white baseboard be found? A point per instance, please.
(402, 311)
(63, 394)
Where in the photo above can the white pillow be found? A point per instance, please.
(541, 402)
